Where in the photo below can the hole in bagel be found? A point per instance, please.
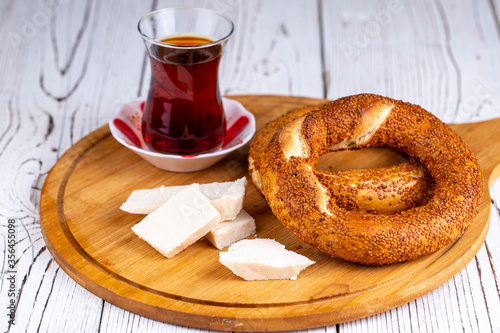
(366, 158)
(379, 191)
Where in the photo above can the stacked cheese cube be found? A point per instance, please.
(177, 216)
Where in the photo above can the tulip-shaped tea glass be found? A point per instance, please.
(183, 113)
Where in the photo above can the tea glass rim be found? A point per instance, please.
(157, 42)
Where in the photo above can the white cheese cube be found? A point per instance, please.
(226, 197)
(263, 259)
(179, 222)
(228, 232)
(147, 200)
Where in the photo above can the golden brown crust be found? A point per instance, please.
(380, 190)
(304, 206)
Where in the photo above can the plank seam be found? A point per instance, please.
(50, 293)
(451, 56)
(495, 16)
(324, 72)
(480, 273)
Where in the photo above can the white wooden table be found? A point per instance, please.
(65, 65)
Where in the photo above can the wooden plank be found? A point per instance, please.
(442, 56)
(490, 253)
(275, 48)
(489, 258)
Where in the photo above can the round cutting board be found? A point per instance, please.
(91, 239)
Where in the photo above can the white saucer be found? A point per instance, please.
(126, 129)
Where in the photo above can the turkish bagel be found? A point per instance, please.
(287, 177)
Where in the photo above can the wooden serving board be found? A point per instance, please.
(90, 238)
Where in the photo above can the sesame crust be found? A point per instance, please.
(296, 192)
(379, 190)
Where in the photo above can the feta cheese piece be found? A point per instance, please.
(226, 197)
(263, 259)
(179, 222)
(228, 232)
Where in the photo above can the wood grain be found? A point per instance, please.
(91, 240)
(410, 57)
